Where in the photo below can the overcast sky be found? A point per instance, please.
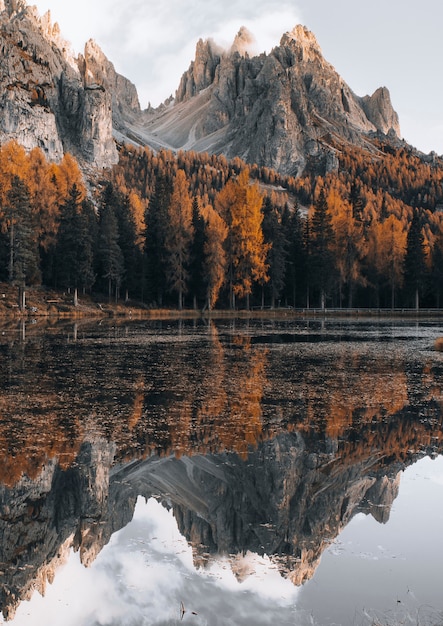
(392, 43)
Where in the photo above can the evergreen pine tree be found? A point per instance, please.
(74, 251)
(110, 256)
(295, 278)
(321, 260)
(154, 252)
(437, 270)
(127, 237)
(198, 282)
(24, 260)
(87, 229)
(415, 260)
(67, 255)
(275, 238)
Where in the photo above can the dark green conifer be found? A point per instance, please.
(415, 261)
(321, 259)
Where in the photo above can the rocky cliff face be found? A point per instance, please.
(46, 101)
(277, 110)
(97, 70)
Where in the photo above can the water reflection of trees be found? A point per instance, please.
(202, 394)
(149, 399)
(223, 406)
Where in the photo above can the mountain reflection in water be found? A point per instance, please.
(265, 438)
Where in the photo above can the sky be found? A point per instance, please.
(392, 43)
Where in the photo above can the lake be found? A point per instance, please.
(232, 472)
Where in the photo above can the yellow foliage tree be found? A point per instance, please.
(13, 162)
(138, 213)
(386, 251)
(179, 236)
(240, 204)
(215, 254)
(348, 244)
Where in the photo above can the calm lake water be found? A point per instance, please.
(226, 473)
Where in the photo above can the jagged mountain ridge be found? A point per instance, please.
(276, 110)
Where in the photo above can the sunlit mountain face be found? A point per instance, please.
(264, 438)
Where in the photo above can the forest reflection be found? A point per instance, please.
(156, 398)
(202, 394)
(256, 443)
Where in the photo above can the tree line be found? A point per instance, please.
(194, 230)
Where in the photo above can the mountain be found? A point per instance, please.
(277, 110)
(48, 98)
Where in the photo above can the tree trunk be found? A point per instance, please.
(11, 253)
(350, 295)
(75, 297)
(21, 298)
(417, 299)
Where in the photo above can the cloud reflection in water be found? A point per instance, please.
(147, 571)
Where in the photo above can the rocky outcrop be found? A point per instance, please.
(201, 72)
(379, 111)
(98, 71)
(278, 110)
(45, 100)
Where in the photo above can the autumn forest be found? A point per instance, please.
(191, 230)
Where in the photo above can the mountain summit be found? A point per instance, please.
(276, 110)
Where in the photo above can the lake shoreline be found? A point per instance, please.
(44, 303)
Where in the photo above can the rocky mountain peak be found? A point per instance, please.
(243, 42)
(302, 37)
(12, 6)
(380, 112)
(98, 72)
(287, 110)
(201, 72)
(280, 110)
